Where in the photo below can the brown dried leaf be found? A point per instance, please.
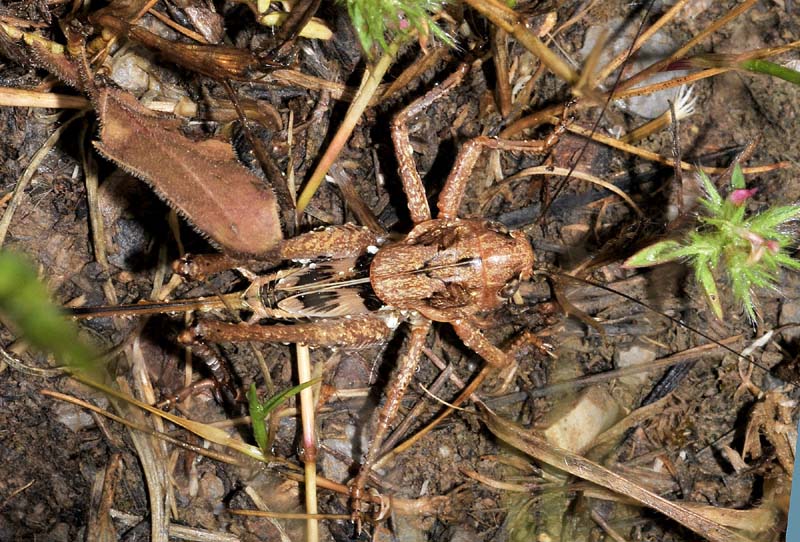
(201, 179)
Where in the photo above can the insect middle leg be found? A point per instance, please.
(406, 368)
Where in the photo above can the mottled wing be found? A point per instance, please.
(327, 289)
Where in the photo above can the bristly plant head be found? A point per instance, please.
(377, 20)
(748, 249)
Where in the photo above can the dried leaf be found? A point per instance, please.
(44, 53)
(201, 179)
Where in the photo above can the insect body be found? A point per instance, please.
(447, 269)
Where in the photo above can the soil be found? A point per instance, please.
(689, 448)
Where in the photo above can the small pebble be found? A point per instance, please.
(74, 418)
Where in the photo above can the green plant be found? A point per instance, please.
(260, 411)
(748, 249)
(25, 304)
(374, 20)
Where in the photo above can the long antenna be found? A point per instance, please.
(674, 320)
(577, 158)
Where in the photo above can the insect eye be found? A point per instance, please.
(510, 289)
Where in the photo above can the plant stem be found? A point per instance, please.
(309, 454)
(369, 86)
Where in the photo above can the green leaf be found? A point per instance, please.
(658, 253)
(377, 20)
(759, 65)
(257, 418)
(26, 304)
(259, 412)
(706, 279)
(764, 223)
(711, 191)
(787, 261)
(737, 178)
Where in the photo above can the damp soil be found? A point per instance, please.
(53, 455)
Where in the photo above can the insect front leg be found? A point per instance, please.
(456, 184)
(412, 182)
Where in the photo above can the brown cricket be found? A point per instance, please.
(356, 288)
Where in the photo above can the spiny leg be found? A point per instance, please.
(405, 373)
(329, 242)
(481, 345)
(456, 184)
(355, 332)
(412, 182)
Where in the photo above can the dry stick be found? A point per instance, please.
(211, 454)
(30, 171)
(153, 473)
(261, 505)
(286, 515)
(542, 116)
(505, 18)
(561, 171)
(580, 14)
(408, 75)
(643, 37)
(97, 228)
(368, 88)
(500, 52)
(293, 78)
(99, 524)
(309, 453)
(16, 492)
(20, 97)
(655, 157)
(144, 387)
(658, 66)
(408, 507)
(530, 443)
(191, 34)
(600, 520)
(466, 393)
(415, 413)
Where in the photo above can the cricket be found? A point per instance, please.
(570, 328)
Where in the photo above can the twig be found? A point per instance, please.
(20, 97)
(368, 89)
(309, 452)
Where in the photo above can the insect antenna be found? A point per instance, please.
(562, 183)
(749, 359)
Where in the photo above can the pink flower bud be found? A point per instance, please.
(404, 24)
(773, 246)
(741, 195)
